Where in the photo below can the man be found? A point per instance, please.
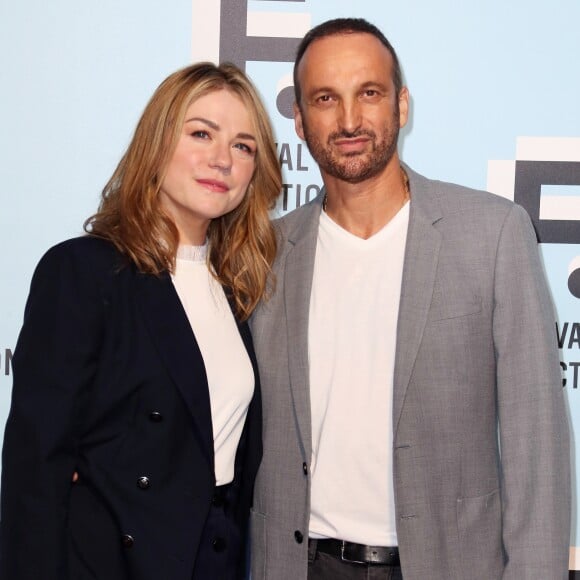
(414, 422)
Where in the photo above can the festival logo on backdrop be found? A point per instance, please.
(545, 179)
(264, 43)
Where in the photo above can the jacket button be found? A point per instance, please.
(298, 536)
(127, 541)
(143, 483)
(305, 468)
(155, 416)
(218, 544)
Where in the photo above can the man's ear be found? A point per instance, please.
(403, 106)
(298, 126)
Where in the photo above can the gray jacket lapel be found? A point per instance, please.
(420, 267)
(421, 255)
(301, 250)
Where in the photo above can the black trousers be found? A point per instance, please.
(220, 550)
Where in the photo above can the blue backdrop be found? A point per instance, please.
(495, 91)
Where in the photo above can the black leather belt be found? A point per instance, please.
(358, 553)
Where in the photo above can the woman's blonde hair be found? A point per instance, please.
(242, 243)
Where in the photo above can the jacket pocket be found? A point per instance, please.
(445, 308)
(479, 529)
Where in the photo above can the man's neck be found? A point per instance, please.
(365, 208)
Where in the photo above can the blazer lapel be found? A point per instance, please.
(244, 330)
(178, 349)
(249, 452)
(297, 287)
(420, 267)
(255, 410)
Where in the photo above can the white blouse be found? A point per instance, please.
(228, 367)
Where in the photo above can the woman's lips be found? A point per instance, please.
(214, 185)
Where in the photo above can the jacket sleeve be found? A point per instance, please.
(534, 438)
(54, 363)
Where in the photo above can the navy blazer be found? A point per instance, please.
(109, 381)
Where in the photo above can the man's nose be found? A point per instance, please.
(350, 115)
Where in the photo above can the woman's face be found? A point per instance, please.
(212, 164)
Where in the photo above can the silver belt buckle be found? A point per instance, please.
(344, 559)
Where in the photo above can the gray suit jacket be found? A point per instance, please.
(476, 348)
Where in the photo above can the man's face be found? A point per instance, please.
(350, 115)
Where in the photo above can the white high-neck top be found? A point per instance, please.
(229, 371)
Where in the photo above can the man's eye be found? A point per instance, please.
(324, 98)
(371, 94)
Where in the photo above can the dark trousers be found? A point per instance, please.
(326, 567)
(220, 549)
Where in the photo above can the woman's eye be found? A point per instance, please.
(244, 148)
(200, 134)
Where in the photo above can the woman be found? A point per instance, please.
(134, 368)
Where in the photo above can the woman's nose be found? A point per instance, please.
(221, 158)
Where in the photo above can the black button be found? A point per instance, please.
(155, 416)
(127, 541)
(218, 544)
(143, 482)
(305, 468)
(298, 536)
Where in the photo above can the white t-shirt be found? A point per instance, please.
(228, 367)
(354, 308)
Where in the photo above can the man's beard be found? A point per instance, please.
(355, 167)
